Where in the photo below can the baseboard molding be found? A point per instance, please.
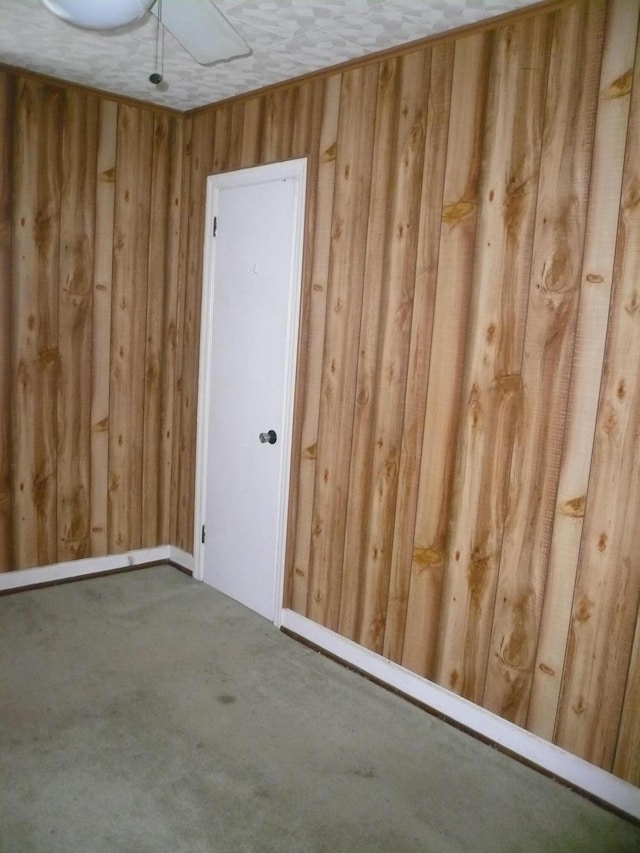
(76, 569)
(562, 765)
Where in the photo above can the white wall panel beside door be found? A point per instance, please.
(250, 306)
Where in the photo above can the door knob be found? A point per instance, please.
(268, 437)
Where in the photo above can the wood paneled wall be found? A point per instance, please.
(90, 319)
(466, 485)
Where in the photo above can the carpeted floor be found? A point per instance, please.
(146, 712)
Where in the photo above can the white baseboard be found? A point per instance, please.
(26, 578)
(181, 558)
(550, 758)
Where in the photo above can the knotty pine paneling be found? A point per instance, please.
(591, 332)
(91, 222)
(545, 370)
(466, 429)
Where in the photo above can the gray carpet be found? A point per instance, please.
(146, 712)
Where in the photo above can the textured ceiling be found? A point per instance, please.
(287, 38)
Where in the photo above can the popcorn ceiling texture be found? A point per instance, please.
(287, 37)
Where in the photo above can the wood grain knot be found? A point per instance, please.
(620, 87)
(631, 195)
(478, 575)
(580, 706)
(330, 153)
(513, 206)
(40, 490)
(610, 422)
(514, 649)
(632, 307)
(427, 558)
(508, 384)
(362, 397)
(574, 507)
(582, 610)
(42, 230)
(557, 278)
(475, 407)
(457, 211)
(48, 355)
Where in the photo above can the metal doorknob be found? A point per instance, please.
(268, 437)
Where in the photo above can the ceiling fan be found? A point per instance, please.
(197, 24)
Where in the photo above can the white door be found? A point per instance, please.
(249, 338)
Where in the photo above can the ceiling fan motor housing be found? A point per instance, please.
(99, 14)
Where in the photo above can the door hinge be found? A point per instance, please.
(215, 225)
(203, 534)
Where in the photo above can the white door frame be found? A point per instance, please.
(296, 169)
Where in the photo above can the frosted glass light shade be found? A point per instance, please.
(99, 14)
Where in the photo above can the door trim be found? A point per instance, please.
(296, 169)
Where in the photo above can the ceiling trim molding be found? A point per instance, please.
(58, 83)
(543, 7)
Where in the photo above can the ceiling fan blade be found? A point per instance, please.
(202, 30)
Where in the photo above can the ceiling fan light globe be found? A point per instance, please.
(99, 14)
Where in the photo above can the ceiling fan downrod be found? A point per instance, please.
(157, 76)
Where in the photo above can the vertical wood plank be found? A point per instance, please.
(435, 147)
(7, 84)
(129, 296)
(398, 159)
(35, 356)
(77, 212)
(305, 127)
(173, 267)
(201, 166)
(101, 324)
(344, 305)
(252, 131)
(155, 330)
(491, 388)
(549, 338)
(278, 125)
(236, 135)
(607, 592)
(221, 142)
(178, 447)
(316, 264)
(318, 142)
(454, 278)
(627, 757)
(595, 296)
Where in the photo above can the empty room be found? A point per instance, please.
(387, 254)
